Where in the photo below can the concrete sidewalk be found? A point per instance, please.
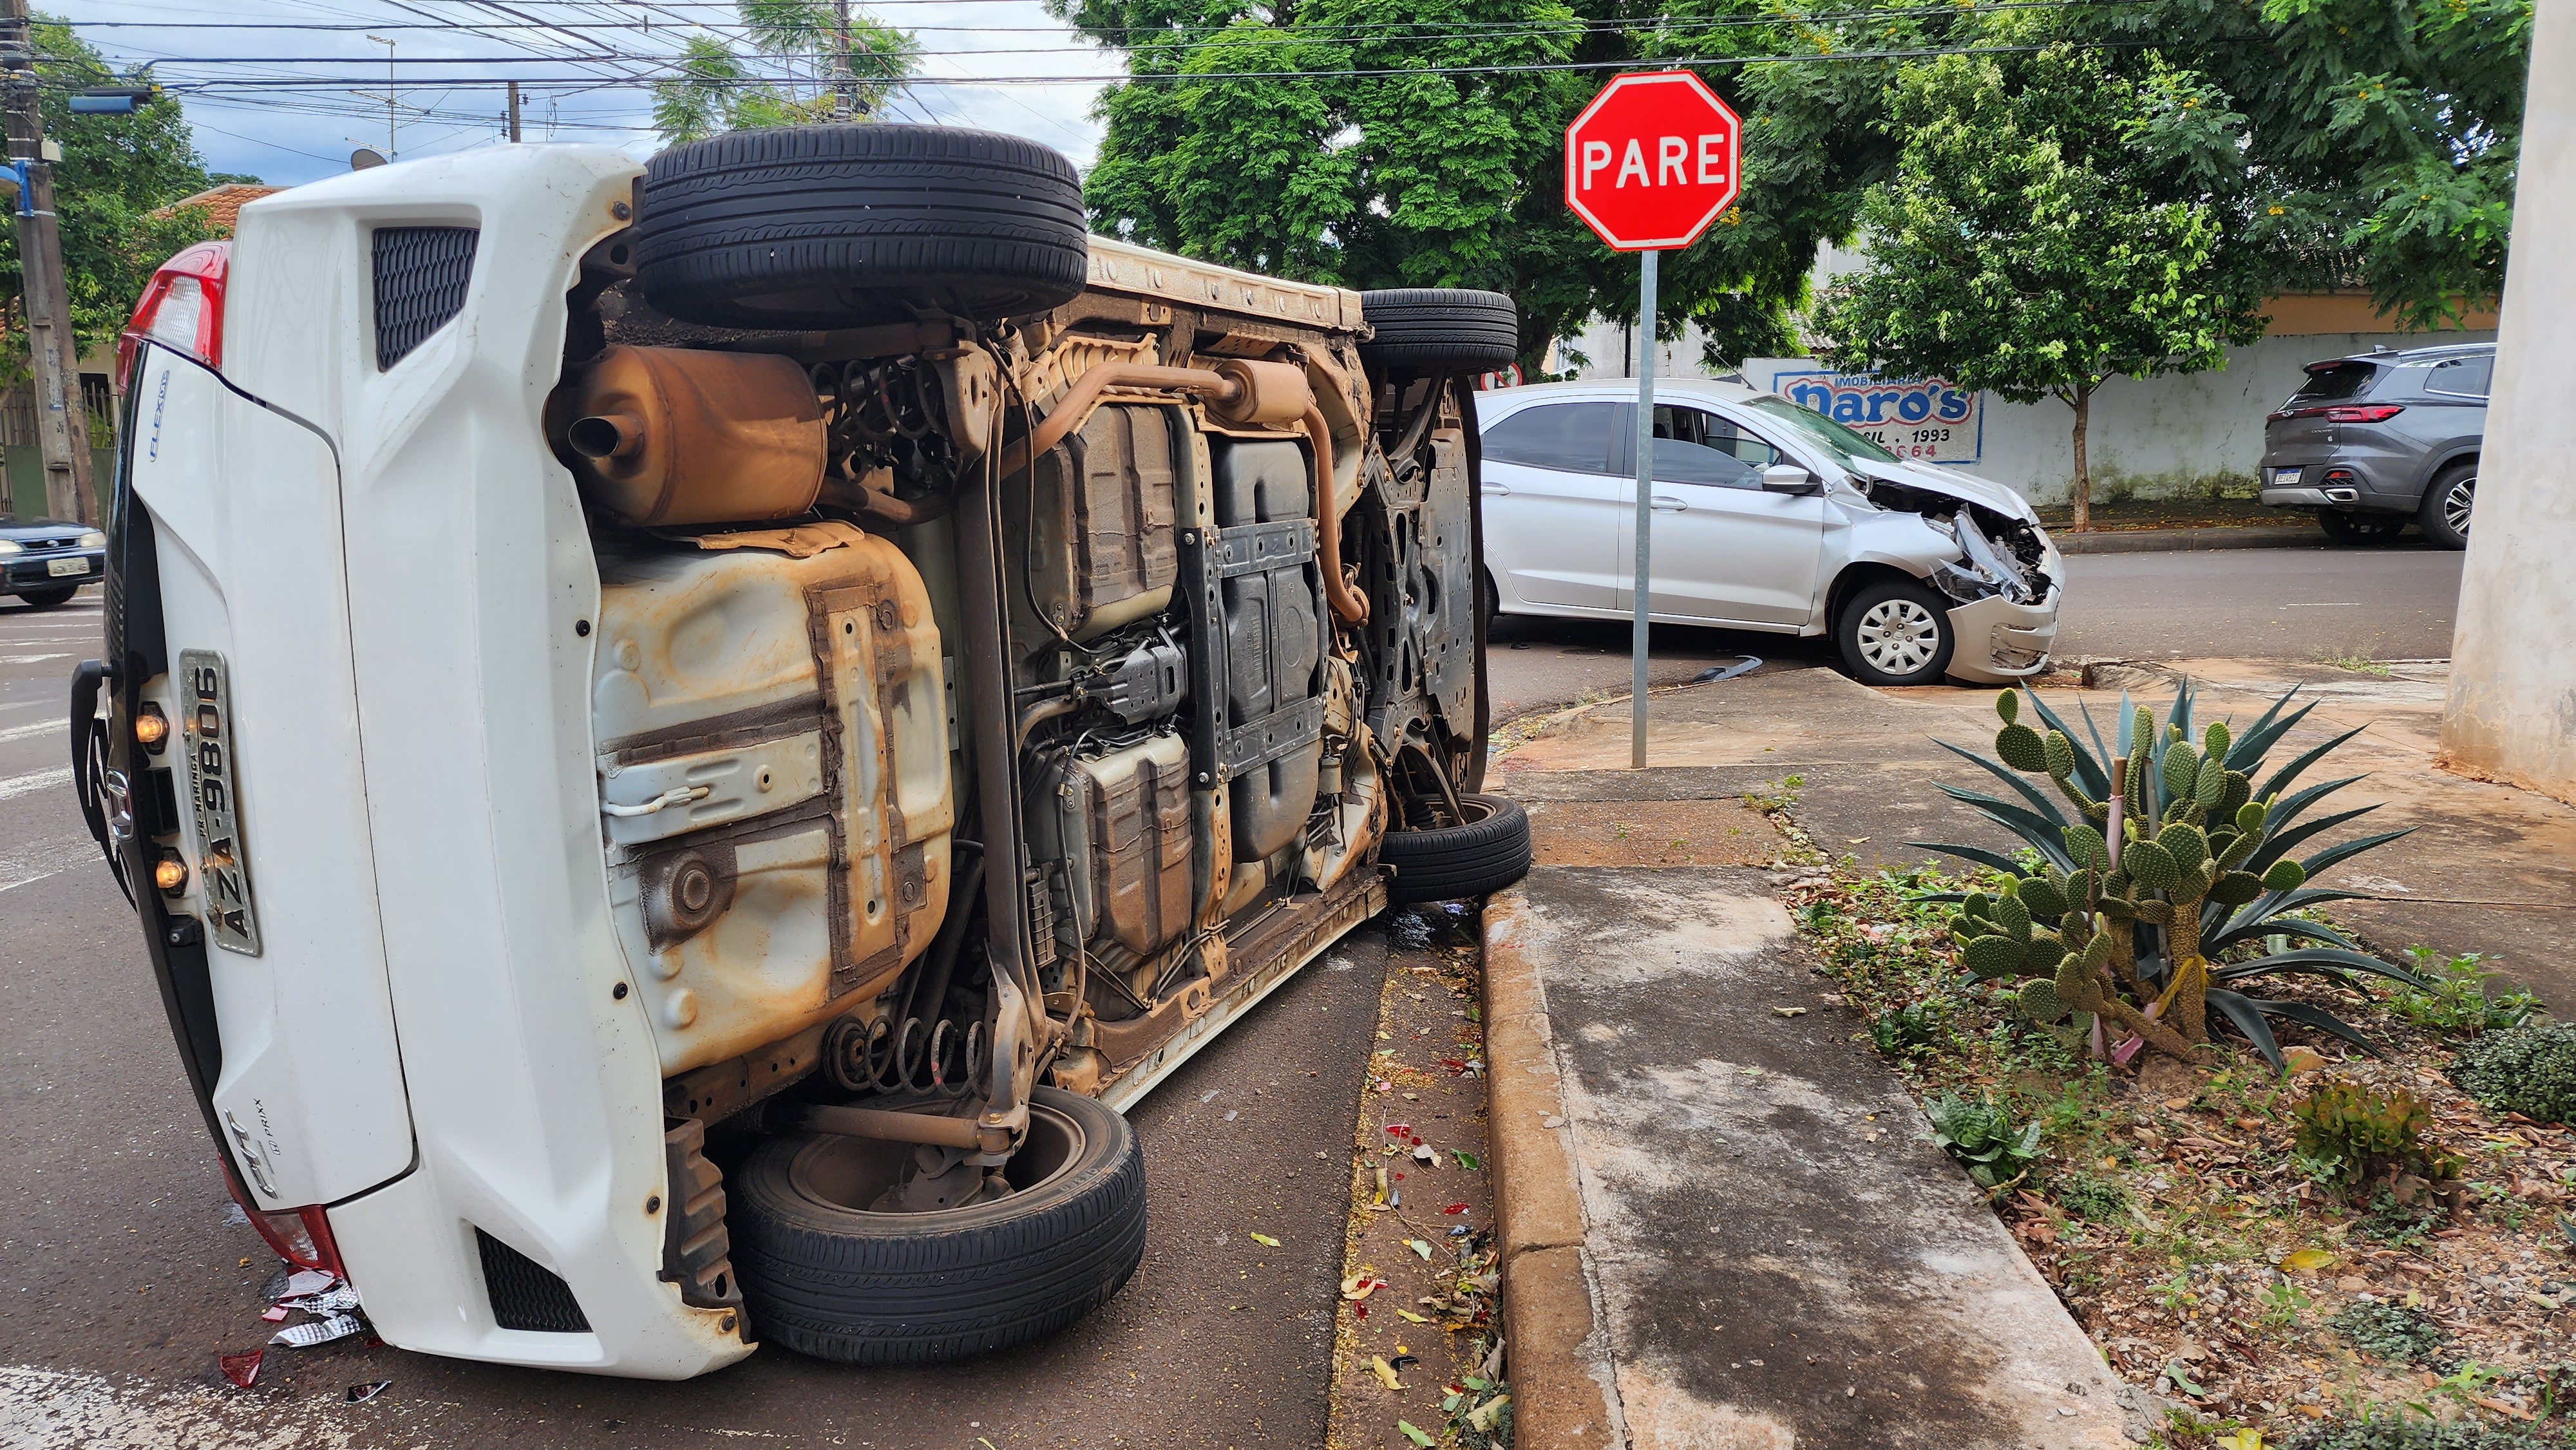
(2157, 541)
(1726, 1225)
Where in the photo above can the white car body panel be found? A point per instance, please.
(1740, 558)
(533, 1077)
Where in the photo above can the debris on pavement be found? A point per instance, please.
(360, 1394)
(242, 1369)
(319, 1331)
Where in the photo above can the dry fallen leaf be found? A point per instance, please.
(1385, 1372)
(2306, 1261)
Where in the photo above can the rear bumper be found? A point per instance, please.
(2000, 641)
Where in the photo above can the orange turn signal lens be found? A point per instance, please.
(170, 873)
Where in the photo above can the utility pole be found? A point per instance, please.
(514, 110)
(62, 419)
(849, 106)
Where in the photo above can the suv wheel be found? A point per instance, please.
(2345, 526)
(1896, 633)
(1440, 329)
(2444, 515)
(826, 1274)
(835, 226)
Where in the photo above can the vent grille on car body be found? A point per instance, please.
(526, 1294)
(421, 277)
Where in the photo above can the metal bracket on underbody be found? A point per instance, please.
(697, 1250)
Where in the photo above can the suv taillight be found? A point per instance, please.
(301, 1236)
(182, 308)
(2364, 413)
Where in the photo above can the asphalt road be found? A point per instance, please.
(128, 1276)
(2394, 603)
(125, 1265)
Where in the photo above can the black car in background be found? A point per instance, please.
(45, 561)
(2376, 439)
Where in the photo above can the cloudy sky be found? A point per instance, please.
(286, 89)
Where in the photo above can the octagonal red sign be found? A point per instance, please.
(1652, 161)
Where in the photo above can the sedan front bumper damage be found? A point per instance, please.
(2000, 641)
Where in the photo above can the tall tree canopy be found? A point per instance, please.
(810, 61)
(2376, 144)
(115, 173)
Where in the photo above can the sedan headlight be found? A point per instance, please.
(11, 546)
(93, 540)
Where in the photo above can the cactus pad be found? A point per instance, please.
(2085, 844)
(2015, 917)
(2039, 1000)
(2021, 748)
(2008, 705)
(2044, 953)
(2250, 817)
(2211, 786)
(2187, 845)
(2213, 741)
(2156, 912)
(1992, 956)
(2236, 888)
(2284, 875)
(2182, 771)
(2061, 754)
(2045, 898)
(2151, 865)
(2232, 798)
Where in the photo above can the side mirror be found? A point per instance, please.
(1789, 478)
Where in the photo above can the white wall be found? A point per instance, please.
(2153, 439)
(2512, 709)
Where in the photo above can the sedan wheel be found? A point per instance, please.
(1896, 634)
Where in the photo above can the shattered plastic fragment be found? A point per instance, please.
(320, 1331)
(1455, 1208)
(360, 1394)
(242, 1369)
(276, 1313)
(306, 1281)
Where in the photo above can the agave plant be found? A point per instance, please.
(2124, 920)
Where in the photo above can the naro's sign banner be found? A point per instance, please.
(1928, 419)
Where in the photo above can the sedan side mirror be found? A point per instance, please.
(1789, 478)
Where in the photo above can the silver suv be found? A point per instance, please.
(2373, 440)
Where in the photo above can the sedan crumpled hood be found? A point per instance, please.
(1950, 481)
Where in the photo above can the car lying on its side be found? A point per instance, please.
(44, 562)
(686, 737)
(2376, 440)
(1767, 516)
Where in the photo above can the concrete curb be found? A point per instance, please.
(2160, 541)
(1558, 1360)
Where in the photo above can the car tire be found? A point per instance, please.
(1451, 863)
(2444, 514)
(2361, 530)
(840, 1283)
(48, 598)
(1896, 632)
(809, 227)
(1440, 329)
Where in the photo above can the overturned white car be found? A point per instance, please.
(1767, 516)
(684, 736)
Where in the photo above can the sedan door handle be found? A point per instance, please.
(1667, 504)
(1496, 490)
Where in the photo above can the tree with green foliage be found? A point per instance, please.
(838, 66)
(116, 173)
(2052, 224)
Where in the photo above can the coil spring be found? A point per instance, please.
(938, 1060)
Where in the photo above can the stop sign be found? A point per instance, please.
(1652, 161)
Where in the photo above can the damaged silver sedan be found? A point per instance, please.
(1767, 516)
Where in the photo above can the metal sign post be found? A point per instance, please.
(1648, 165)
(1645, 503)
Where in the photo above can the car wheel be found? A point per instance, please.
(2444, 515)
(1486, 853)
(48, 598)
(2345, 526)
(824, 1273)
(834, 226)
(1896, 633)
(1440, 329)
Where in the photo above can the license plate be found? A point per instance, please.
(60, 567)
(2285, 477)
(214, 794)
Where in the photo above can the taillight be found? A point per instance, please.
(182, 308)
(2364, 413)
(301, 1236)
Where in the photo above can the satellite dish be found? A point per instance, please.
(364, 157)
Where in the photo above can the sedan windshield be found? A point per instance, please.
(1848, 446)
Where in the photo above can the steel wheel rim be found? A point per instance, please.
(2456, 503)
(1899, 636)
